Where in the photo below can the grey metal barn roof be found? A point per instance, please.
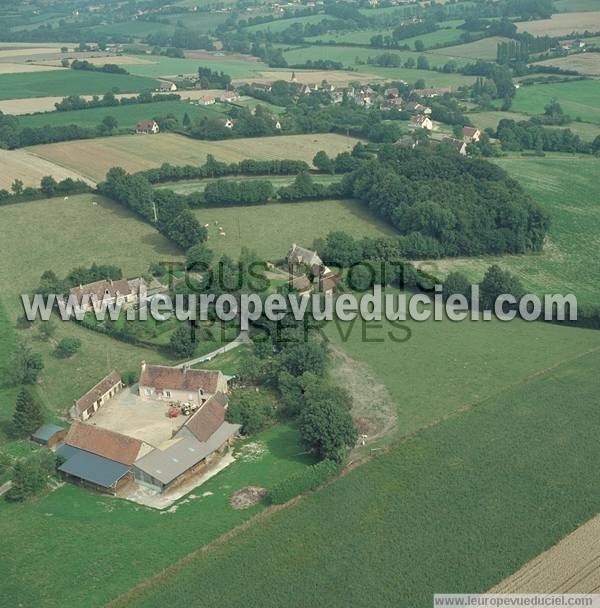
(183, 453)
(46, 431)
(90, 467)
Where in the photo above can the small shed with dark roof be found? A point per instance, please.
(49, 435)
(91, 470)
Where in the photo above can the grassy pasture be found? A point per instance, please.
(562, 24)
(127, 116)
(566, 186)
(69, 82)
(587, 131)
(579, 99)
(124, 542)
(169, 66)
(480, 49)
(271, 229)
(419, 519)
(94, 158)
(103, 233)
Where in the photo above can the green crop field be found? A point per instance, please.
(127, 116)
(458, 506)
(167, 66)
(124, 542)
(271, 229)
(579, 99)
(447, 33)
(93, 158)
(566, 186)
(70, 82)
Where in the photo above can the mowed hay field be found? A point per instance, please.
(94, 158)
(562, 24)
(480, 49)
(567, 187)
(571, 566)
(18, 164)
(584, 63)
(457, 507)
(271, 229)
(579, 99)
(66, 82)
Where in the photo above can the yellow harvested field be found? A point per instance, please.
(571, 566)
(22, 49)
(102, 59)
(18, 164)
(562, 24)
(584, 63)
(17, 68)
(311, 76)
(93, 158)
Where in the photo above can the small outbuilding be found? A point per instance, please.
(49, 435)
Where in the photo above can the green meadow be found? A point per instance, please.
(270, 229)
(566, 186)
(62, 83)
(579, 99)
(127, 116)
(457, 506)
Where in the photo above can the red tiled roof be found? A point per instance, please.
(208, 418)
(177, 378)
(102, 288)
(85, 401)
(103, 442)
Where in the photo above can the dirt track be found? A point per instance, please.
(571, 566)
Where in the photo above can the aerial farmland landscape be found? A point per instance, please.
(300, 303)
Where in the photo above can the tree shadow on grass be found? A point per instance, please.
(286, 446)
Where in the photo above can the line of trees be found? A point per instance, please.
(227, 192)
(168, 211)
(109, 99)
(82, 64)
(48, 188)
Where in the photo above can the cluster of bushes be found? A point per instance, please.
(530, 135)
(307, 479)
(214, 168)
(168, 211)
(444, 204)
(48, 188)
(305, 188)
(30, 475)
(249, 192)
(75, 102)
(181, 38)
(109, 68)
(210, 79)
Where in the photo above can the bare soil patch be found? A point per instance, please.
(373, 407)
(571, 566)
(18, 68)
(562, 23)
(207, 56)
(247, 497)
